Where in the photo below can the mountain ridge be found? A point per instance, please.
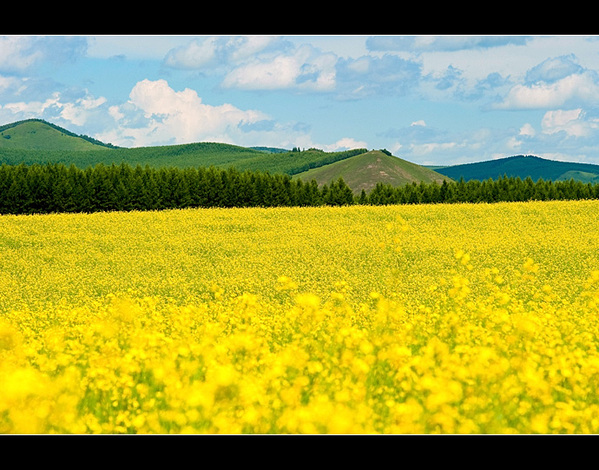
(523, 166)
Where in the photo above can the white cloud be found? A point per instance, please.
(242, 48)
(78, 112)
(279, 73)
(424, 149)
(57, 107)
(527, 130)
(304, 69)
(212, 51)
(156, 114)
(513, 143)
(420, 123)
(32, 108)
(581, 87)
(171, 116)
(572, 122)
(346, 143)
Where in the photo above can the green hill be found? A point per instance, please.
(36, 141)
(35, 134)
(364, 171)
(523, 167)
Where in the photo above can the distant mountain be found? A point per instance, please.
(523, 166)
(36, 134)
(364, 171)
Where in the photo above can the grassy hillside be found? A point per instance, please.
(182, 156)
(37, 141)
(524, 166)
(35, 134)
(293, 163)
(366, 170)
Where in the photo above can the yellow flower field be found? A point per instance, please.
(401, 319)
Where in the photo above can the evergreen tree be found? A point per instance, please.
(340, 193)
(363, 199)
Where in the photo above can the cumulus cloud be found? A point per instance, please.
(571, 89)
(79, 112)
(305, 68)
(273, 63)
(171, 117)
(573, 122)
(58, 107)
(553, 83)
(30, 109)
(527, 130)
(156, 114)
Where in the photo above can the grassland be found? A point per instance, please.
(39, 136)
(362, 172)
(463, 318)
(36, 141)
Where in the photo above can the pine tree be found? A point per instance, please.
(17, 194)
(363, 199)
(345, 195)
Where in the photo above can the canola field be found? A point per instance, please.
(453, 319)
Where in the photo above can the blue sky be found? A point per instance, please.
(429, 99)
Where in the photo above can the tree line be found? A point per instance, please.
(501, 189)
(54, 187)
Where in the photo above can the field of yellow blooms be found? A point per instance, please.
(464, 318)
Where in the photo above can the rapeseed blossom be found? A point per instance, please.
(460, 319)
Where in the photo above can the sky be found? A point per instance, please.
(434, 100)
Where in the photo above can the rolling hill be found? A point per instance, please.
(37, 141)
(523, 166)
(35, 134)
(56, 146)
(364, 171)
